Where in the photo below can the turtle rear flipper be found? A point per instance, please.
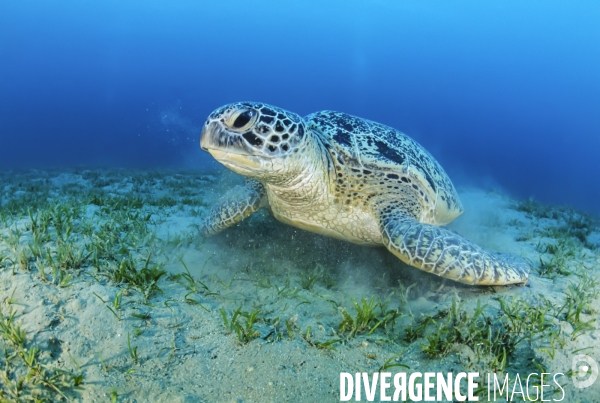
(237, 204)
(441, 251)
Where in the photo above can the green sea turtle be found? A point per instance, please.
(348, 178)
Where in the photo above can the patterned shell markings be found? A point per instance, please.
(370, 145)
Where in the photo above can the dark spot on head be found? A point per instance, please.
(252, 138)
(278, 127)
(300, 130)
(274, 139)
(267, 111)
(393, 176)
(285, 147)
(405, 179)
(367, 172)
(293, 128)
(285, 136)
(287, 122)
(267, 119)
(272, 148)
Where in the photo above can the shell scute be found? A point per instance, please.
(373, 147)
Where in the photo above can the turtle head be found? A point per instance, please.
(252, 138)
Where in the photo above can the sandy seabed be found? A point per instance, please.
(108, 293)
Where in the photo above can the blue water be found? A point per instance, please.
(503, 94)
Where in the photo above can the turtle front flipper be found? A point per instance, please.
(441, 251)
(236, 205)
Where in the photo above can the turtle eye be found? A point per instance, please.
(244, 120)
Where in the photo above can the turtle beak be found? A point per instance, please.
(240, 163)
(205, 137)
(214, 137)
(230, 150)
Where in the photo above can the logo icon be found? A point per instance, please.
(584, 375)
